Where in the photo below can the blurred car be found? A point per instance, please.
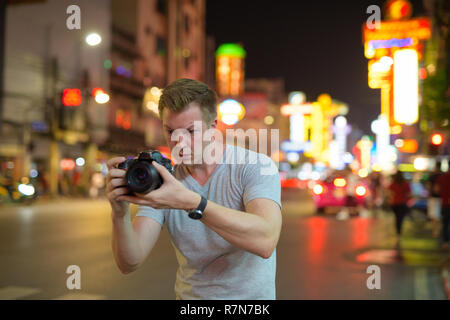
(293, 189)
(330, 195)
(293, 183)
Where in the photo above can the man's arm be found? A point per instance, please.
(133, 242)
(257, 230)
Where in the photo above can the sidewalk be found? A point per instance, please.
(48, 199)
(45, 202)
(298, 208)
(446, 277)
(418, 237)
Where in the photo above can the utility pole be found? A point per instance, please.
(54, 155)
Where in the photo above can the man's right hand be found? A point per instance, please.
(116, 187)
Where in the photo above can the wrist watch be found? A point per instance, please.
(197, 214)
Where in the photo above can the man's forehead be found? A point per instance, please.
(191, 113)
(187, 125)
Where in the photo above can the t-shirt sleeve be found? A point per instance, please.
(261, 180)
(155, 214)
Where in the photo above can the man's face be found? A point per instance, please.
(184, 139)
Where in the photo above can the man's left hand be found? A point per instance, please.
(172, 194)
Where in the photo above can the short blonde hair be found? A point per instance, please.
(177, 95)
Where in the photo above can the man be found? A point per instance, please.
(229, 253)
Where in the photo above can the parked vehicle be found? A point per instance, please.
(331, 194)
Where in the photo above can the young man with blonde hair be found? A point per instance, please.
(226, 250)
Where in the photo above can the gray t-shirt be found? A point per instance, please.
(209, 266)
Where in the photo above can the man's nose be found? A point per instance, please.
(184, 138)
(182, 142)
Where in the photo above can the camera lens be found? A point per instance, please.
(141, 175)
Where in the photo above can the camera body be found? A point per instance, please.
(141, 175)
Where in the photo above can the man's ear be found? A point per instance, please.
(214, 123)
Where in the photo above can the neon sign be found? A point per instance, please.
(391, 43)
(415, 28)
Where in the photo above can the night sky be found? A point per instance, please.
(316, 46)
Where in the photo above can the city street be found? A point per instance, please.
(318, 257)
(340, 107)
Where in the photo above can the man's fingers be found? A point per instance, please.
(116, 173)
(112, 163)
(116, 182)
(117, 192)
(165, 174)
(132, 199)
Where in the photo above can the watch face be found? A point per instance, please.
(195, 214)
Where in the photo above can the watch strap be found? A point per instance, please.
(197, 214)
(202, 205)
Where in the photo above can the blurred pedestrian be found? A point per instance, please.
(418, 205)
(76, 183)
(399, 194)
(376, 193)
(434, 199)
(443, 188)
(350, 205)
(43, 181)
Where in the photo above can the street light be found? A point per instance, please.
(102, 98)
(420, 164)
(100, 95)
(437, 139)
(93, 39)
(230, 111)
(80, 161)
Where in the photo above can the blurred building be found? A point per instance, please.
(145, 44)
(154, 42)
(435, 76)
(210, 61)
(43, 57)
(275, 95)
(262, 100)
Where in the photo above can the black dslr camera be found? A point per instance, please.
(142, 176)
